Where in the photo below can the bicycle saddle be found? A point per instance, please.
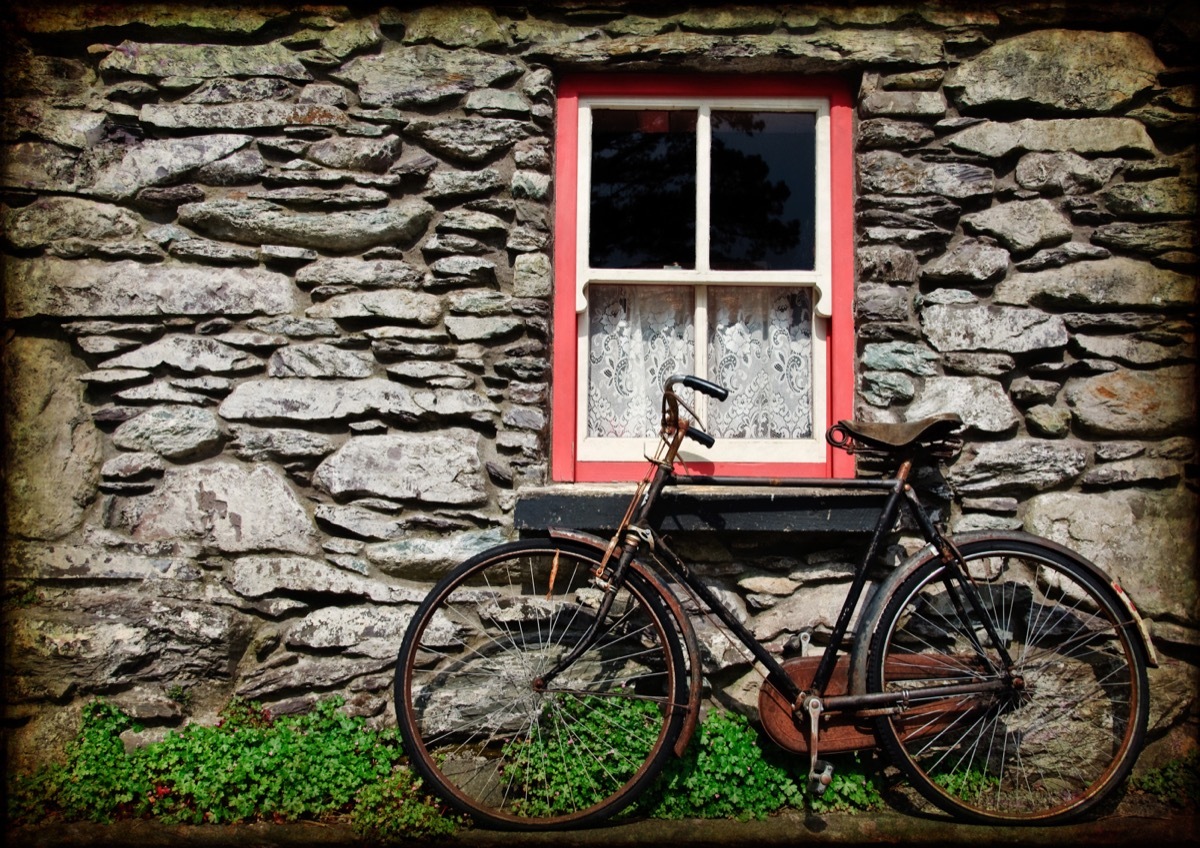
(893, 437)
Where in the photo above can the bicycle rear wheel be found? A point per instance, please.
(1068, 720)
(508, 748)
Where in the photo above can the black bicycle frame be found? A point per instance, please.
(637, 530)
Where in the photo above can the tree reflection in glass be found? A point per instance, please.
(763, 197)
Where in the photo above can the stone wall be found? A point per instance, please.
(278, 287)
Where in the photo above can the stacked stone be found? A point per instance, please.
(279, 285)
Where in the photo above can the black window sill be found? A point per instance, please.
(600, 507)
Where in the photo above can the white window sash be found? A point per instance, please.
(589, 449)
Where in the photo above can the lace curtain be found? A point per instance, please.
(760, 346)
(639, 336)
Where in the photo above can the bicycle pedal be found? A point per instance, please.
(820, 777)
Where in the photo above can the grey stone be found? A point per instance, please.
(1006, 329)
(60, 288)
(205, 61)
(1056, 257)
(1113, 451)
(320, 361)
(903, 104)
(233, 91)
(357, 154)
(304, 197)
(890, 173)
(359, 273)
(436, 374)
(464, 184)
(886, 264)
(389, 304)
(262, 576)
(982, 403)
(969, 262)
(440, 467)
(1063, 173)
(118, 641)
(470, 269)
(469, 139)
(497, 104)
(1132, 351)
(189, 354)
(467, 328)
(278, 443)
(1058, 70)
(418, 558)
(876, 302)
(983, 364)
(1085, 136)
(899, 356)
(480, 302)
(360, 522)
(1027, 391)
(887, 388)
(1119, 530)
(239, 168)
(346, 627)
(1151, 404)
(1119, 282)
(159, 393)
(1022, 225)
(306, 675)
(354, 36)
(223, 505)
(301, 399)
(1018, 466)
(53, 448)
(1173, 197)
(532, 275)
(423, 75)
(296, 328)
(1133, 472)
(885, 134)
(157, 162)
(530, 184)
(1151, 239)
(455, 26)
(213, 252)
(259, 222)
(176, 432)
(1051, 422)
(140, 465)
(471, 223)
(51, 219)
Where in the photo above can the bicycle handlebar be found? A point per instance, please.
(702, 386)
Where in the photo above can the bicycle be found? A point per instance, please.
(544, 683)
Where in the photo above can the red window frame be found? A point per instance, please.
(564, 466)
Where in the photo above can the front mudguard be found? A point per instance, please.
(684, 625)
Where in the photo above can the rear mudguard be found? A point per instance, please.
(870, 617)
(682, 622)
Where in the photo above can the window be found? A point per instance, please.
(702, 226)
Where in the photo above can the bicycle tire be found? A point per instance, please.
(1044, 750)
(483, 734)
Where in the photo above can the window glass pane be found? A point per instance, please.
(760, 347)
(643, 200)
(763, 202)
(638, 336)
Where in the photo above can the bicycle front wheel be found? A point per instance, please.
(1061, 727)
(498, 739)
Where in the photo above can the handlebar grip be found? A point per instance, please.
(701, 437)
(702, 386)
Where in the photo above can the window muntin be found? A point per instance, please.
(722, 198)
